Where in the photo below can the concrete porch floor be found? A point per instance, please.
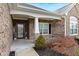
(23, 47)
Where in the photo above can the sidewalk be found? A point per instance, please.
(23, 48)
(27, 52)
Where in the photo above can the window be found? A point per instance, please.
(44, 28)
(73, 25)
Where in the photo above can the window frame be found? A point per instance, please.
(43, 26)
(75, 23)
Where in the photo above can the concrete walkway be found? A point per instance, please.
(23, 47)
(27, 52)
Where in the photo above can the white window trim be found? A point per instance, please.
(76, 33)
(73, 34)
(48, 28)
(77, 29)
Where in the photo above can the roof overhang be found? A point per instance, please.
(29, 10)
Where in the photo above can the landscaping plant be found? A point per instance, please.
(65, 45)
(77, 39)
(40, 42)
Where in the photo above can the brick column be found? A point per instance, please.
(5, 30)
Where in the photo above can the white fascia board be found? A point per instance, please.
(21, 12)
(51, 17)
(32, 14)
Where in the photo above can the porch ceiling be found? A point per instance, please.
(21, 17)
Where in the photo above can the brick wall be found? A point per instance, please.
(5, 30)
(31, 29)
(58, 27)
(73, 12)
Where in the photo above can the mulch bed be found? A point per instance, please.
(48, 52)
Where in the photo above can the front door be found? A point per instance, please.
(20, 30)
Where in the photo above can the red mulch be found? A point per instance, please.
(65, 45)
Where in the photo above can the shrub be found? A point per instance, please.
(77, 39)
(77, 51)
(40, 42)
(64, 45)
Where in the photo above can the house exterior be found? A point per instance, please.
(27, 22)
(70, 13)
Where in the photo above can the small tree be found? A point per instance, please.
(40, 42)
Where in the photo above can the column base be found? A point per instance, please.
(36, 35)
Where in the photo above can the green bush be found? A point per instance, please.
(40, 43)
(77, 51)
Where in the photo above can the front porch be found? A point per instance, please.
(28, 19)
(31, 28)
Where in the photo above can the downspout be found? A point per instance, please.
(64, 25)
